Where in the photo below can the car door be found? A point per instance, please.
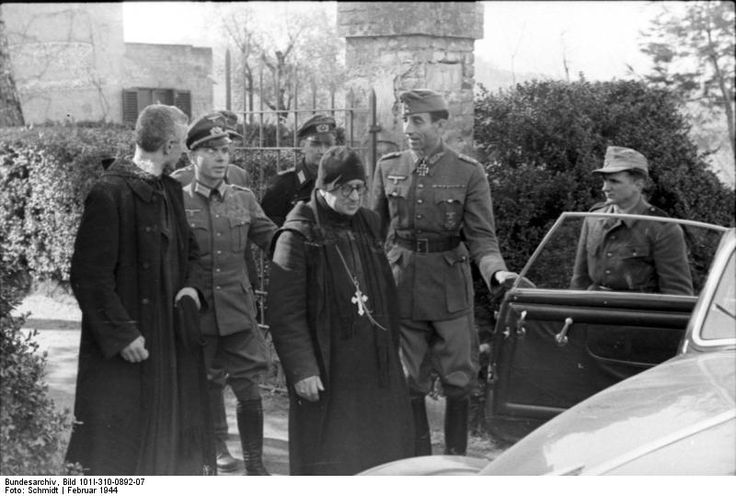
(553, 346)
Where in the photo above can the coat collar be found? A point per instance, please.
(141, 182)
(431, 159)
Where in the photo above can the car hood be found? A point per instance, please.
(689, 397)
(430, 465)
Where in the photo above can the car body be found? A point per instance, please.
(615, 397)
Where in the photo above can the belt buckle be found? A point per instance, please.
(422, 245)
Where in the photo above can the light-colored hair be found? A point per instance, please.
(156, 125)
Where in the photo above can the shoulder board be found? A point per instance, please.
(467, 159)
(390, 156)
(658, 212)
(241, 188)
(287, 171)
(597, 206)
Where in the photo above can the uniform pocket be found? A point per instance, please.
(450, 204)
(398, 200)
(238, 233)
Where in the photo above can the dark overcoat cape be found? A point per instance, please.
(116, 278)
(304, 323)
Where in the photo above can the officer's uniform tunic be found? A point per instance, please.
(632, 255)
(435, 225)
(286, 190)
(223, 220)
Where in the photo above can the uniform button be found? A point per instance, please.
(219, 234)
(217, 216)
(419, 216)
(608, 271)
(217, 269)
(420, 186)
(609, 254)
(146, 265)
(148, 228)
(420, 201)
(145, 301)
(219, 252)
(217, 288)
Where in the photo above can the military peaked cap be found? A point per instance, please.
(316, 125)
(210, 127)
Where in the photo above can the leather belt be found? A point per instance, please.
(425, 245)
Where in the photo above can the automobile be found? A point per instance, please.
(611, 382)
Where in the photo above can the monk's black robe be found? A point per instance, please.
(363, 418)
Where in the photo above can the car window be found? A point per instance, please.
(720, 319)
(594, 252)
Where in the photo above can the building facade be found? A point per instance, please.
(71, 64)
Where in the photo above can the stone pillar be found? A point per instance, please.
(396, 46)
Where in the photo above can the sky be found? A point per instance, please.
(598, 38)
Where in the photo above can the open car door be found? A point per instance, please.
(554, 346)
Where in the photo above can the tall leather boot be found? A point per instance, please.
(456, 425)
(225, 461)
(422, 440)
(250, 426)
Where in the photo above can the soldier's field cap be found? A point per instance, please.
(421, 101)
(620, 159)
(209, 128)
(316, 125)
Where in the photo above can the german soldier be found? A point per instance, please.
(224, 218)
(296, 184)
(626, 254)
(436, 209)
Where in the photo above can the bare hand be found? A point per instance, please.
(136, 351)
(309, 388)
(191, 292)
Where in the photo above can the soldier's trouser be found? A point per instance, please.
(448, 347)
(216, 381)
(244, 358)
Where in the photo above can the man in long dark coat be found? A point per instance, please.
(140, 401)
(334, 321)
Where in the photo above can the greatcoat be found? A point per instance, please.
(124, 292)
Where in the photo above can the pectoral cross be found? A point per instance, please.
(359, 299)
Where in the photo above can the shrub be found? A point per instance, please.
(541, 140)
(45, 174)
(32, 431)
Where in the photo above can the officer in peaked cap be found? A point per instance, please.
(435, 205)
(627, 254)
(225, 218)
(315, 136)
(228, 121)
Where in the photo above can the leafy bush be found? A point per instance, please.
(45, 174)
(541, 140)
(32, 431)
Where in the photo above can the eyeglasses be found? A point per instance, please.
(346, 189)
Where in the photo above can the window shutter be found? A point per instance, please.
(183, 100)
(130, 106)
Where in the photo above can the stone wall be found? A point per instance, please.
(66, 60)
(177, 67)
(395, 46)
